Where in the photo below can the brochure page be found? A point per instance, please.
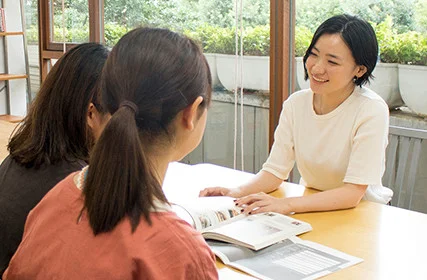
(292, 259)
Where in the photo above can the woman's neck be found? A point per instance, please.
(326, 103)
(160, 162)
(160, 165)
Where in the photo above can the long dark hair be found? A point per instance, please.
(360, 38)
(150, 76)
(55, 127)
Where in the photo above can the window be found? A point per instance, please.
(74, 22)
(211, 22)
(69, 21)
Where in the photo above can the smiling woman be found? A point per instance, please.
(331, 68)
(336, 131)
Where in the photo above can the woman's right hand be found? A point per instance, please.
(221, 191)
(263, 181)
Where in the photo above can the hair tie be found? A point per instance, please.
(130, 105)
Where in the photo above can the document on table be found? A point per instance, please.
(228, 274)
(292, 259)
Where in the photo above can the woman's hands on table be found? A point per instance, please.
(262, 202)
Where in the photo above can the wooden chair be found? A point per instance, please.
(402, 157)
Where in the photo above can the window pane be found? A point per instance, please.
(124, 15)
(71, 24)
(212, 24)
(31, 28)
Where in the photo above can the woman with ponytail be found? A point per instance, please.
(112, 219)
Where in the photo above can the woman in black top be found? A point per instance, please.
(53, 140)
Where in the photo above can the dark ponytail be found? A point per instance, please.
(124, 176)
(150, 76)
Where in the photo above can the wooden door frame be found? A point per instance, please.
(282, 63)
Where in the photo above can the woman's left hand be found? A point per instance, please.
(262, 202)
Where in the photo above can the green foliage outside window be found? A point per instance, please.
(214, 39)
(404, 48)
(420, 16)
(303, 37)
(113, 32)
(401, 25)
(256, 40)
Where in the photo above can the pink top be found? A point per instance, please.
(58, 246)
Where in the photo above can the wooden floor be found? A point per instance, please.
(10, 118)
(6, 129)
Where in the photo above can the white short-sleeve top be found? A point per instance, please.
(346, 145)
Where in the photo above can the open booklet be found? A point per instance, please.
(291, 259)
(217, 218)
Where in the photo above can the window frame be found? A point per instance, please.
(54, 50)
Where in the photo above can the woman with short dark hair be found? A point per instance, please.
(112, 219)
(53, 140)
(336, 131)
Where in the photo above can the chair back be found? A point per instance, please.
(402, 157)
